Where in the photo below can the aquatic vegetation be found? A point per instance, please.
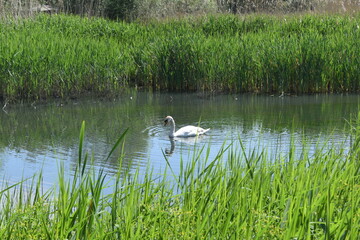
(67, 56)
(295, 196)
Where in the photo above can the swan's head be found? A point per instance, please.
(168, 120)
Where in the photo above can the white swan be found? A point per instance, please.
(187, 131)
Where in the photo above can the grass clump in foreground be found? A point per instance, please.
(231, 196)
(69, 55)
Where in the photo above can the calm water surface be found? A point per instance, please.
(43, 136)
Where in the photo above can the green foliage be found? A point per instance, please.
(69, 55)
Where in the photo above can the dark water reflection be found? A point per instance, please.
(41, 136)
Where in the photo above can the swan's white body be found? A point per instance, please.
(187, 131)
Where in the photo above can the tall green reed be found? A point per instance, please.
(69, 56)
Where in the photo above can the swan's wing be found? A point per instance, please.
(190, 131)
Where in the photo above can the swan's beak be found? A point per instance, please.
(165, 122)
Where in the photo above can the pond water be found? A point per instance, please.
(41, 136)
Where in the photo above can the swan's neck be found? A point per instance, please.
(172, 129)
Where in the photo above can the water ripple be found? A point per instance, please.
(154, 131)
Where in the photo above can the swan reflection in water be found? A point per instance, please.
(170, 151)
(189, 141)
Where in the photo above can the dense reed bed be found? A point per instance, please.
(57, 56)
(235, 195)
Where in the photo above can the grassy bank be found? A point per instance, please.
(57, 56)
(306, 196)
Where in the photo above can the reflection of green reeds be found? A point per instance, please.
(68, 55)
(302, 196)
